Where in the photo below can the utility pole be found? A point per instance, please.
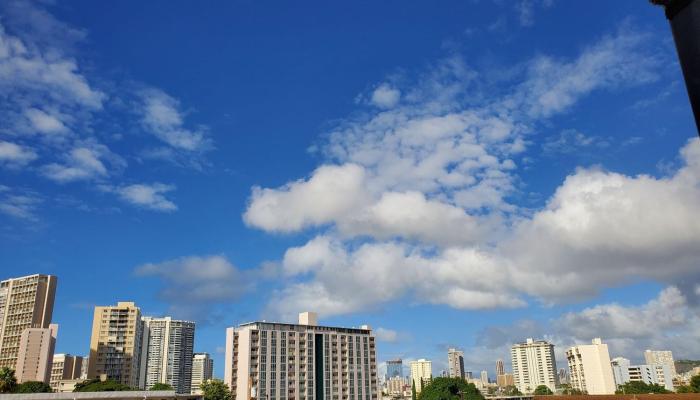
(684, 17)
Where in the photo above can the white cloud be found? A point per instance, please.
(386, 335)
(161, 116)
(385, 96)
(149, 196)
(21, 205)
(13, 155)
(81, 163)
(44, 122)
(571, 141)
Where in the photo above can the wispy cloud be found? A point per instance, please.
(147, 196)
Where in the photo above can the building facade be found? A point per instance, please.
(115, 344)
(166, 353)
(25, 302)
(651, 374)
(500, 368)
(202, 371)
(302, 361)
(421, 373)
(455, 363)
(63, 368)
(590, 370)
(394, 368)
(660, 357)
(533, 365)
(504, 380)
(35, 355)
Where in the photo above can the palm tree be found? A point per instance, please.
(8, 382)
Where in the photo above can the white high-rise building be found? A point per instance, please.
(202, 371)
(624, 372)
(305, 361)
(533, 365)
(421, 373)
(167, 350)
(455, 363)
(484, 377)
(660, 357)
(590, 370)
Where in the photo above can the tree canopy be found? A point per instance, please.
(511, 390)
(542, 390)
(450, 389)
(215, 389)
(96, 385)
(637, 387)
(568, 390)
(161, 386)
(33, 387)
(694, 386)
(8, 381)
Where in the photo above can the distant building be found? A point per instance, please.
(394, 368)
(396, 386)
(533, 365)
(484, 377)
(421, 373)
(455, 363)
(563, 376)
(655, 374)
(35, 355)
(504, 380)
(65, 367)
(28, 303)
(590, 370)
(468, 375)
(500, 370)
(166, 355)
(660, 357)
(202, 371)
(66, 385)
(115, 345)
(304, 361)
(84, 368)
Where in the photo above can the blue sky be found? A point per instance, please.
(463, 174)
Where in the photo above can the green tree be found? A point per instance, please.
(413, 390)
(8, 382)
(542, 390)
(637, 387)
(569, 391)
(511, 390)
(33, 387)
(215, 389)
(97, 385)
(161, 386)
(693, 387)
(450, 389)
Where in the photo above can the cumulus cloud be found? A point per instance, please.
(162, 117)
(386, 335)
(385, 96)
(13, 155)
(148, 196)
(83, 163)
(44, 123)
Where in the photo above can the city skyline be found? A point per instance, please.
(460, 176)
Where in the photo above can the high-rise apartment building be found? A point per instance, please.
(421, 373)
(25, 302)
(500, 369)
(115, 345)
(455, 363)
(166, 353)
(660, 357)
(590, 370)
(563, 376)
(35, 356)
(305, 361)
(504, 380)
(202, 371)
(394, 368)
(65, 367)
(533, 365)
(484, 377)
(623, 372)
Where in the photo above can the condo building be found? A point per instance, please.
(35, 356)
(504, 380)
(65, 367)
(455, 363)
(651, 374)
(590, 370)
(166, 353)
(304, 361)
(533, 365)
(421, 373)
(115, 344)
(660, 357)
(394, 368)
(500, 369)
(202, 371)
(25, 302)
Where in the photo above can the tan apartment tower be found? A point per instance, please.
(35, 354)
(25, 302)
(115, 345)
(202, 371)
(421, 373)
(65, 367)
(590, 370)
(305, 361)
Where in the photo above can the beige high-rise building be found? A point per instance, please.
(533, 365)
(305, 361)
(504, 380)
(455, 363)
(25, 302)
(590, 370)
(421, 373)
(115, 345)
(35, 356)
(202, 371)
(166, 355)
(65, 367)
(661, 357)
(500, 369)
